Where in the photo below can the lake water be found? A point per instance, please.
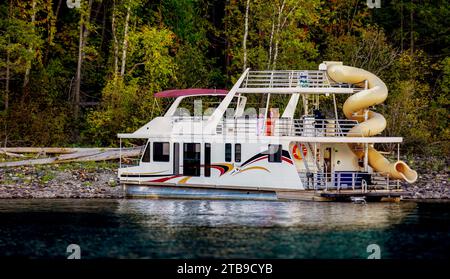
(222, 229)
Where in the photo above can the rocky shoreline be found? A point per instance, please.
(92, 180)
(434, 178)
(98, 180)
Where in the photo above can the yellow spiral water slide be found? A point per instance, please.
(354, 107)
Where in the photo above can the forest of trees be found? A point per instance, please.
(78, 76)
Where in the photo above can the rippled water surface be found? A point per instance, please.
(222, 229)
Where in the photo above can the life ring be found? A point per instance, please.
(296, 151)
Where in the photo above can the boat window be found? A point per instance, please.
(275, 153)
(207, 159)
(237, 152)
(191, 159)
(146, 155)
(161, 152)
(227, 152)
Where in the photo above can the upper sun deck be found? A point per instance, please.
(293, 81)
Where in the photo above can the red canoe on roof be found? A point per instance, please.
(174, 93)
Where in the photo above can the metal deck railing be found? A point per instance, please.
(288, 127)
(309, 127)
(291, 79)
(305, 127)
(336, 181)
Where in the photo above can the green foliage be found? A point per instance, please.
(412, 108)
(369, 50)
(150, 48)
(439, 108)
(198, 43)
(128, 102)
(194, 69)
(278, 34)
(17, 37)
(29, 125)
(117, 112)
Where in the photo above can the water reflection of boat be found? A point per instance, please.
(323, 216)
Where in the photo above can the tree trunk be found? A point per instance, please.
(30, 49)
(269, 62)
(83, 37)
(103, 27)
(277, 35)
(401, 26)
(270, 46)
(244, 43)
(115, 41)
(275, 55)
(125, 41)
(227, 40)
(57, 9)
(78, 74)
(52, 18)
(411, 16)
(6, 100)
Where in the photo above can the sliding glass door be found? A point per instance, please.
(191, 159)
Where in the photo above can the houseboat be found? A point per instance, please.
(229, 150)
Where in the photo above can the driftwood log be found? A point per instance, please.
(10, 154)
(48, 150)
(70, 155)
